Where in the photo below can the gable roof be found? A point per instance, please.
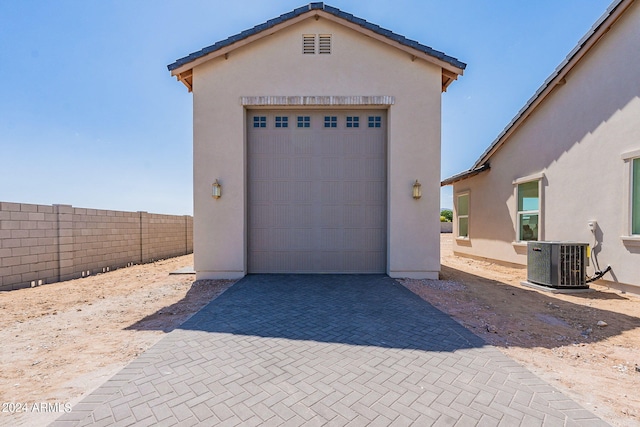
(451, 67)
(557, 78)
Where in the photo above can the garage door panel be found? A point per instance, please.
(285, 262)
(283, 191)
(287, 191)
(374, 191)
(331, 168)
(330, 239)
(366, 261)
(371, 169)
(331, 216)
(259, 215)
(354, 192)
(260, 168)
(328, 262)
(273, 239)
(316, 195)
(331, 192)
(362, 239)
(261, 191)
(302, 145)
(302, 168)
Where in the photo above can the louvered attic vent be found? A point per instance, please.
(308, 44)
(324, 44)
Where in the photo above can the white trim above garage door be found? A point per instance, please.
(316, 191)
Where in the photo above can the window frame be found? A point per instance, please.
(539, 178)
(281, 122)
(303, 122)
(330, 122)
(629, 158)
(374, 121)
(634, 197)
(260, 121)
(458, 216)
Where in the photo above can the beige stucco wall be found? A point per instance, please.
(576, 138)
(274, 66)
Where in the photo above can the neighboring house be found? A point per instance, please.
(568, 162)
(316, 124)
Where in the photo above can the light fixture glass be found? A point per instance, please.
(216, 191)
(417, 190)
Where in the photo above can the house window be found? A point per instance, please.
(528, 210)
(304, 121)
(375, 121)
(282, 121)
(330, 121)
(260, 122)
(462, 215)
(635, 197)
(353, 121)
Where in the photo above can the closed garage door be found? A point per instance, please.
(316, 191)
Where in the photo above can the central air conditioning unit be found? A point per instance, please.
(557, 264)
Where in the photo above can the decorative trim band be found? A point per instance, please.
(316, 100)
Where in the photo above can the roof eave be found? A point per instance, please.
(464, 175)
(559, 76)
(451, 67)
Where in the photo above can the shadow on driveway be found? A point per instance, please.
(369, 310)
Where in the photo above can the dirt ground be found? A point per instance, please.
(556, 336)
(63, 340)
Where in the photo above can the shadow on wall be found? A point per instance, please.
(375, 310)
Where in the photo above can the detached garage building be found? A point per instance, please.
(316, 126)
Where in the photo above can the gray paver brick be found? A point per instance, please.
(354, 350)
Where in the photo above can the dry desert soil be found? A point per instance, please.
(61, 341)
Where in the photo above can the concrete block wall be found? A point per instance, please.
(42, 244)
(162, 234)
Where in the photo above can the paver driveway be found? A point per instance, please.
(324, 350)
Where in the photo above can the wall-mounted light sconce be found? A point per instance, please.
(216, 190)
(417, 190)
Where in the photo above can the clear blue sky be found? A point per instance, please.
(90, 116)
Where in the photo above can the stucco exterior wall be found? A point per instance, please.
(275, 66)
(575, 139)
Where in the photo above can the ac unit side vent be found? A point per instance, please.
(557, 264)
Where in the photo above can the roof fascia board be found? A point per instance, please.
(558, 78)
(408, 49)
(452, 71)
(242, 42)
(464, 175)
